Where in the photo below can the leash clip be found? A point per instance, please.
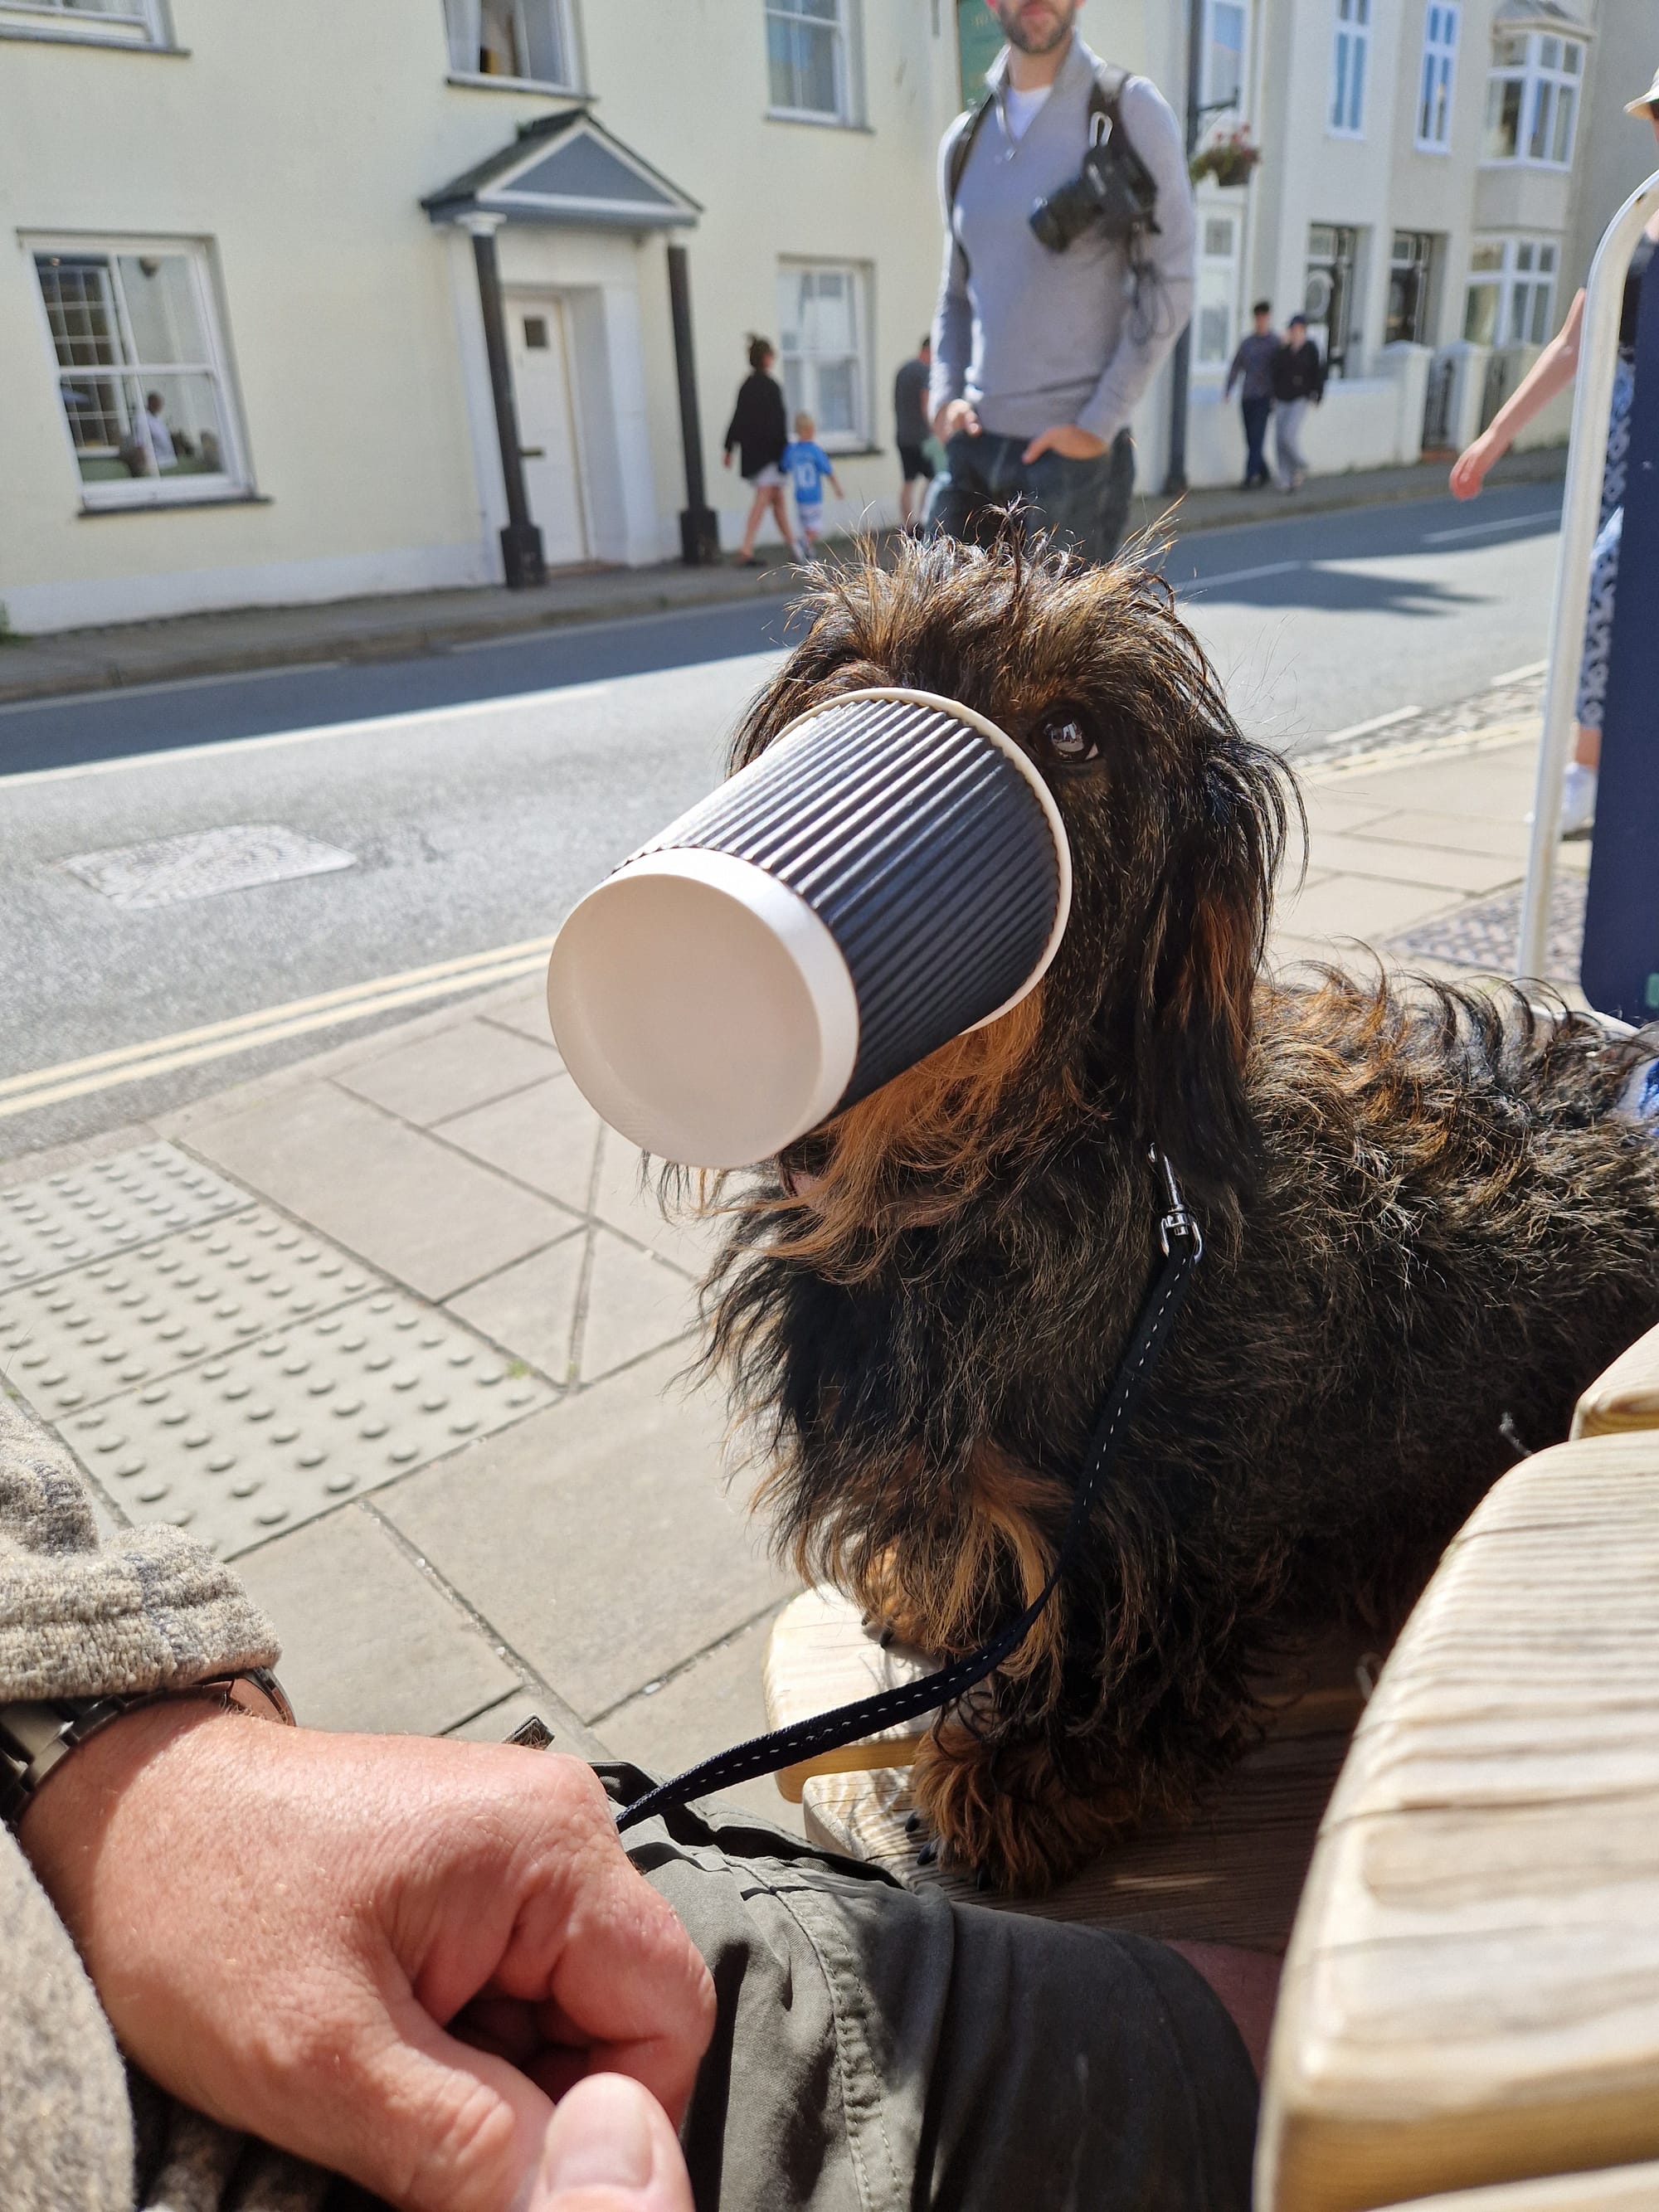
(1179, 1223)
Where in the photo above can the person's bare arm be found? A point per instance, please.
(1552, 372)
(387, 1954)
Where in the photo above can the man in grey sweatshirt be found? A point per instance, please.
(1039, 356)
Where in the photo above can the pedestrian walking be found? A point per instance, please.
(758, 429)
(809, 468)
(1069, 272)
(910, 426)
(1552, 372)
(1297, 376)
(1253, 370)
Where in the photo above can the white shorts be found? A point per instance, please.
(763, 479)
(811, 515)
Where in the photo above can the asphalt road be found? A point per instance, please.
(480, 792)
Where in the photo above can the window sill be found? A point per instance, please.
(45, 38)
(853, 452)
(476, 81)
(173, 506)
(1349, 138)
(1431, 146)
(818, 122)
(1524, 161)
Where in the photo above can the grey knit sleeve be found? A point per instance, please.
(81, 1614)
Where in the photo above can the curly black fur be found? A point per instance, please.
(1423, 1214)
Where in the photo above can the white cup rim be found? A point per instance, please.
(1028, 769)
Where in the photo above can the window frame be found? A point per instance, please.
(1219, 292)
(563, 13)
(1541, 86)
(861, 438)
(1350, 44)
(146, 26)
(1438, 72)
(234, 479)
(1208, 95)
(847, 29)
(1511, 277)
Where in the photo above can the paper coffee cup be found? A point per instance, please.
(890, 871)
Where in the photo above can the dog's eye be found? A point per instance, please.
(1065, 738)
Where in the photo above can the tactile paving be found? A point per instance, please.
(77, 1338)
(85, 1213)
(278, 1431)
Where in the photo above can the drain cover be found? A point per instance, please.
(278, 1431)
(65, 1220)
(204, 863)
(75, 1339)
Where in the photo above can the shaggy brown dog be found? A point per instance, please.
(1422, 1213)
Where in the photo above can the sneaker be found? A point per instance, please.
(1578, 800)
(1299, 479)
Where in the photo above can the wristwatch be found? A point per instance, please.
(36, 1736)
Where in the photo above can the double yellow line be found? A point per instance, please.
(102, 1071)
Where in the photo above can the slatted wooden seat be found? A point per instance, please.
(1472, 1991)
(1621, 2189)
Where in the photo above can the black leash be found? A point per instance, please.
(1184, 1247)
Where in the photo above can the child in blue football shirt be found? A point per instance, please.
(807, 466)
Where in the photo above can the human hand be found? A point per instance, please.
(725, 459)
(1469, 469)
(1069, 439)
(956, 415)
(611, 2149)
(387, 1954)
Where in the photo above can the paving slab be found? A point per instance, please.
(1340, 910)
(394, 1196)
(61, 1220)
(80, 1337)
(1482, 782)
(546, 1136)
(598, 1538)
(1508, 836)
(715, 1702)
(529, 1309)
(1398, 862)
(368, 1641)
(627, 1200)
(635, 1302)
(524, 1008)
(441, 1076)
(275, 1432)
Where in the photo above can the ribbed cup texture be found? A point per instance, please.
(921, 847)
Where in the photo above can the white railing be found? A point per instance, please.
(1581, 503)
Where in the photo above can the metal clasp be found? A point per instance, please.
(1179, 1221)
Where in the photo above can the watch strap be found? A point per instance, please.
(36, 1735)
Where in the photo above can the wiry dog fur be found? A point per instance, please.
(1422, 1213)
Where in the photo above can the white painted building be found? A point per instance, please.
(250, 250)
(240, 308)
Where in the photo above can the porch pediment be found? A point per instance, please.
(567, 170)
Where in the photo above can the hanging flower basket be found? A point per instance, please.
(1229, 159)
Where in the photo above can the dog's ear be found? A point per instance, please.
(1198, 981)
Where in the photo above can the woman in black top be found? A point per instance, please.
(1552, 372)
(759, 432)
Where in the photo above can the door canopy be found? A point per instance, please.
(567, 170)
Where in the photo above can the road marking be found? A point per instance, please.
(102, 1071)
(1485, 529)
(1519, 675)
(106, 691)
(372, 725)
(1241, 576)
(1377, 722)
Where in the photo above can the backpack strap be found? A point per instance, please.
(962, 149)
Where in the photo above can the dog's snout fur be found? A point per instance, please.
(1422, 1208)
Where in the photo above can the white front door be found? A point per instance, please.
(539, 337)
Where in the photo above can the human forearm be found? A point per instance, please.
(1552, 373)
